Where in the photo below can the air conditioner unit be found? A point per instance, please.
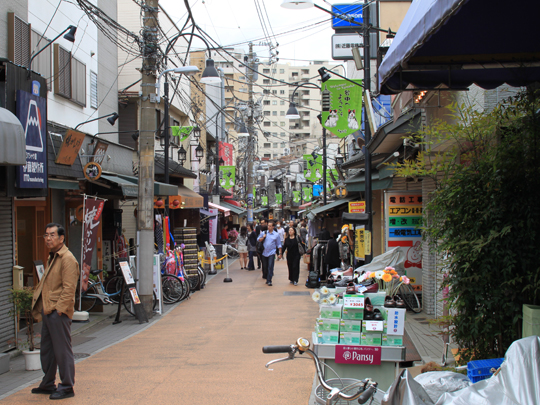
(286, 151)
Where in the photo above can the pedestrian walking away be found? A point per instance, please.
(272, 243)
(252, 246)
(290, 246)
(258, 229)
(53, 303)
(243, 248)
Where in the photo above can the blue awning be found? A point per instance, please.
(456, 43)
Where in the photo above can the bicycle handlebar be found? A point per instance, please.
(278, 349)
(365, 392)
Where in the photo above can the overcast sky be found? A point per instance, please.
(302, 35)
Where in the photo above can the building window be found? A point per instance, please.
(267, 145)
(19, 40)
(282, 124)
(266, 70)
(294, 74)
(282, 92)
(78, 82)
(274, 113)
(274, 91)
(266, 102)
(274, 102)
(267, 113)
(94, 90)
(282, 102)
(274, 70)
(266, 81)
(62, 71)
(281, 71)
(283, 134)
(267, 155)
(276, 155)
(265, 91)
(274, 145)
(282, 113)
(305, 71)
(274, 124)
(266, 124)
(43, 62)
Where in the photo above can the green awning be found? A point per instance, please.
(236, 210)
(128, 188)
(329, 206)
(63, 184)
(160, 189)
(358, 182)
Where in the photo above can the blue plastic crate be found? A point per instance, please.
(478, 370)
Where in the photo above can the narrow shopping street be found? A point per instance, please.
(206, 350)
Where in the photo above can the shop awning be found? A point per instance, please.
(259, 210)
(358, 183)
(226, 212)
(306, 205)
(12, 139)
(186, 198)
(128, 188)
(389, 136)
(355, 218)
(328, 207)
(59, 184)
(236, 210)
(456, 43)
(161, 189)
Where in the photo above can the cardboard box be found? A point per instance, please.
(330, 311)
(382, 310)
(392, 340)
(353, 314)
(326, 337)
(328, 324)
(370, 339)
(349, 338)
(347, 325)
(372, 326)
(376, 298)
(396, 321)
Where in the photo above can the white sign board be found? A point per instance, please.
(342, 45)
(353, 301)
(396, 321)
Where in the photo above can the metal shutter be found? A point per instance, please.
(7, 325)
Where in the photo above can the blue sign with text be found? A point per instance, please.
(347, 11)
(32, 112)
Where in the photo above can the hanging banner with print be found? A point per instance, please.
(314, 168)
(296, 197)
(341, 106)
(279, 199)
(254, 193)
(182, 132)
(227, 177)
(264, 201)
(92, 209)
(329, 179)
(306, 194)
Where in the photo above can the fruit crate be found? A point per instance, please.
(478, 370)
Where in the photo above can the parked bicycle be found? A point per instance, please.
(408, 295)
(332, 390)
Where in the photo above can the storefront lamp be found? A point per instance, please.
(199, 152)
(221, 161)
(182, 155)
(196, 132)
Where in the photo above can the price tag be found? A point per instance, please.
(372, 326)
(353, 301)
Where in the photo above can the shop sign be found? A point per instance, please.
(70, 148)
(356, 207)
(342, 45)
(32, 113)
(370, 355)
(92, 215)
(359, 242)
(353, 301)
(351, 14)
(92, 171)
(99, 152)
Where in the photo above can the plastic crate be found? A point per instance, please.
(481, 369)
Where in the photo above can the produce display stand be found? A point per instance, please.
(384, 373)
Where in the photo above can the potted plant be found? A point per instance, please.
(22, 301)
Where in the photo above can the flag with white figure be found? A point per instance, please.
(228, 176)
(341, 106)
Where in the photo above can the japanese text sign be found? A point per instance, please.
(358, 354)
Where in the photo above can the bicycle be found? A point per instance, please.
(408, 295)
(365, 389)
(97, 291)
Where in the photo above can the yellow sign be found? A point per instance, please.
(92, 171)
(403, 210)
(357, 207)
(69, 150)
(367, 243)
(359, 243)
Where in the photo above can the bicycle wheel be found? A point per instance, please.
(194, 281)
(172, 288)
(114, 288)
(406, 292)
(87, 302)
(202, 276)
(127, 300)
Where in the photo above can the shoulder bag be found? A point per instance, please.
(301, 248)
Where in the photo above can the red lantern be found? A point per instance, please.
(176, 203)
(159, 203)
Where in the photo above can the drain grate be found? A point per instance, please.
(296, 293)
(80, 355)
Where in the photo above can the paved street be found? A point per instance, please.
(204, 350)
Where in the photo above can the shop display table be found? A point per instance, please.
(380, 363)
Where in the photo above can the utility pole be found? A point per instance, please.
(251, 139)
(145, 218)
(367, 131)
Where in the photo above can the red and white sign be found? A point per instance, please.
(353, 301)
(358, 354)
(373, 326)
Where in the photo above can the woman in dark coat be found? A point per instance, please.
(332, 258)
(252, 243)
(290, 245)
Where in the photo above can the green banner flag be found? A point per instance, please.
(314, 169)
(264, 200)
(254, 194)
(184, 132)
(296, 196)
(307, 194)
(341, 106)
(329, 180)
(279, 199)
(228, 176)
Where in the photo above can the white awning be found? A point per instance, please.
(12, 139)
(226, 212)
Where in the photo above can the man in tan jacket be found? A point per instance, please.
(53, 303)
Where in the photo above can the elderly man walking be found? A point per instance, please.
(272, 242)
(53, 303)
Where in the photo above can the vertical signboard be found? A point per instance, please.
(91, 219)
(341, 106)
(403, 230)
(32, 112)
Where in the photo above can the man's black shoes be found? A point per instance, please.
(39, 390)
(69, 393)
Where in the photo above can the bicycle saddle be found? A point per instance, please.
(95, 272)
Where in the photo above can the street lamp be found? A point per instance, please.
(70, 36)
(188, 71)
(199, 152)
(111, 120)
(182, 155)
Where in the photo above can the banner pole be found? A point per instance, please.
(82, 250)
